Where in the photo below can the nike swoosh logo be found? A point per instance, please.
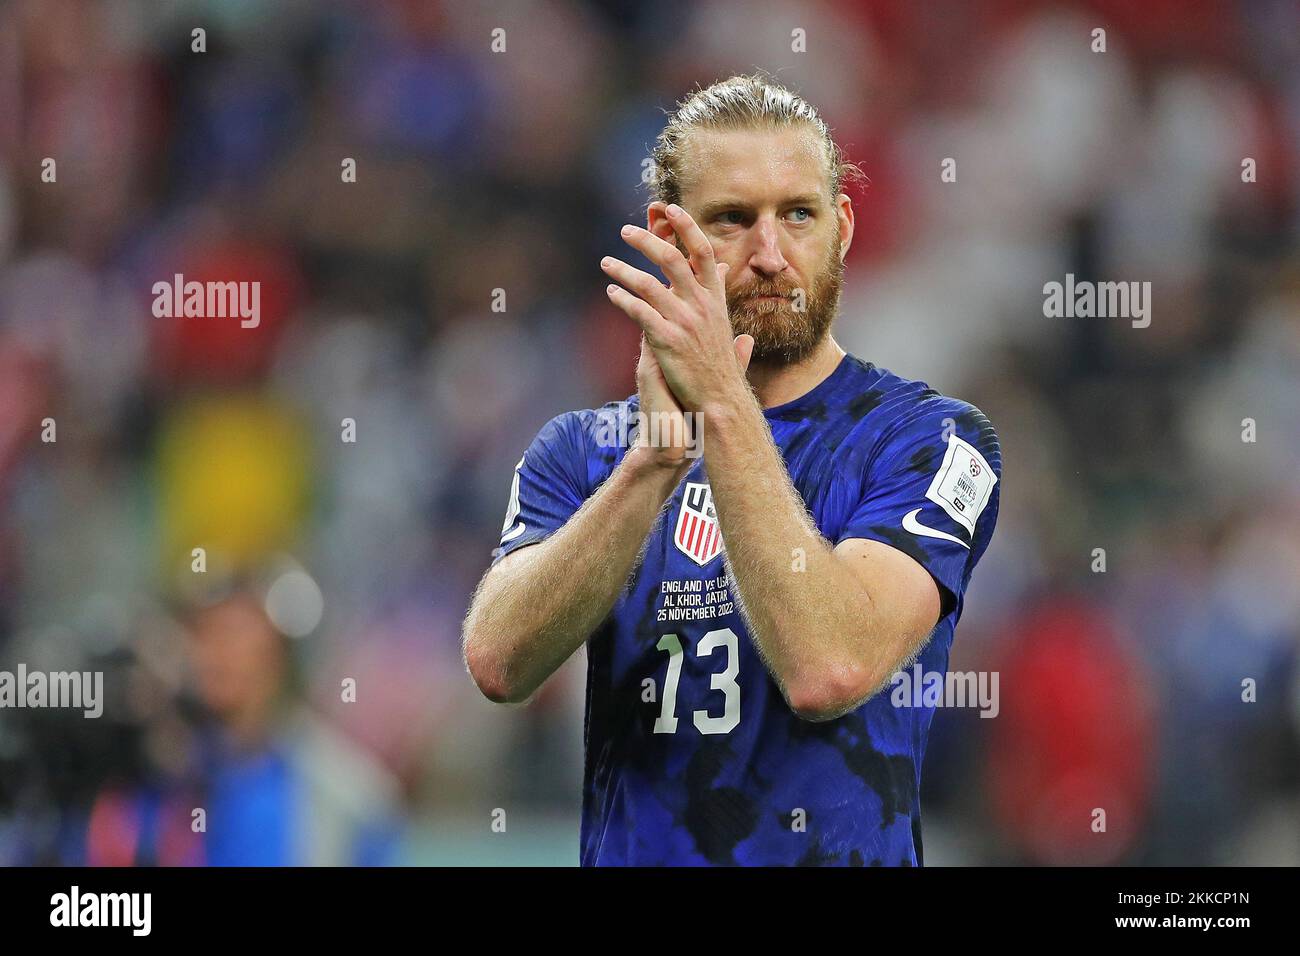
(915, 527)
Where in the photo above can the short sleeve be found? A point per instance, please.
(549, 485)
(931, 491)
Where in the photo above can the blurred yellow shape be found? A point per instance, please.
(233, 478)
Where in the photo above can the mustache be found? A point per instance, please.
(756, 289)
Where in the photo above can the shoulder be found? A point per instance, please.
(585, 424)
(582, 447)
(898, 412)
(592, 432)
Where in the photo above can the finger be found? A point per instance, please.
(645, 364)
(662, 253)
(651, 383)
(696, 243)
(744, 349)
(654, 325)
(639, 283)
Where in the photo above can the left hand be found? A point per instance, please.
(686, 322)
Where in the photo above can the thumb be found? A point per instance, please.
(744, 349)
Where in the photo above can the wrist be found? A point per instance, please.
(644, 464)
(727, 410)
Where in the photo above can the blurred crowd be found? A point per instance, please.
(294, 691)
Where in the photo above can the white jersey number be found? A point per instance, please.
(725, 681)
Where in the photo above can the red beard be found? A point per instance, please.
(783, 332)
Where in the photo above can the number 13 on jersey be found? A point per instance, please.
(725, 681)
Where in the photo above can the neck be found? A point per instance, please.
(777, 384)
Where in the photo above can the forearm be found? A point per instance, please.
(806, 614)
(538, 606)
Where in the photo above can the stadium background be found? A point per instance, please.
(479, 171)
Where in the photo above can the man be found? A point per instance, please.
(743, 612)
(279, 785)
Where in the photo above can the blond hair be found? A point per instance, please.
(740, 103)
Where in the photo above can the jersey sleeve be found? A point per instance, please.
(931, 491)
(549, 485)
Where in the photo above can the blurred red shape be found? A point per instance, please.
(1074, 736)
(221, 350)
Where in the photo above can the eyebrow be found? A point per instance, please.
(712, 208)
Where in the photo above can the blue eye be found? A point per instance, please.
(739, 217)
(807, 213)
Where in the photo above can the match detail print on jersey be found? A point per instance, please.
(963, 483)
(697, 534)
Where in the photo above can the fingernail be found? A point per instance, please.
(605, 262)
(628, 230)
(674, 209)
(611, 289)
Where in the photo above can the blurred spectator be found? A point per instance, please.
(270, 783)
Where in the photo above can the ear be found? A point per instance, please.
(844, 212)
(656, 221)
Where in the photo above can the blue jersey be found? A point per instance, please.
(693, 756)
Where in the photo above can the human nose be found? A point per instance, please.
(766, 257)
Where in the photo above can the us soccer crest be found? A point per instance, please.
(697, 535)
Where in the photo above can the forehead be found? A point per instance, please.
(753, 164)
